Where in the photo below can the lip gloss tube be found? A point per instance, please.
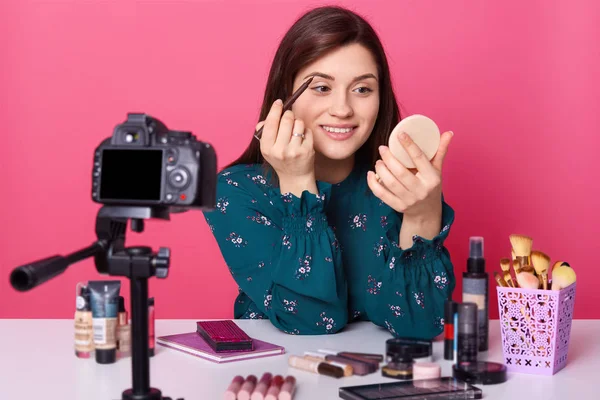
(234, 388)
(262, 387)
(288, 388)
(275, 388)
(247, 388)
(322, 368)
(370, 356)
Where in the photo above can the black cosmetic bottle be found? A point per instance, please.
(475, 288)
(467, 333)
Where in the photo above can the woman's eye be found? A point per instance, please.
(321, 89)
(364, 90)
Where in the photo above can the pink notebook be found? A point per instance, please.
(194, 344)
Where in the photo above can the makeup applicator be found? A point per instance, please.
(522, 247)
(527, 280)
(562, 277)
(500, 280)
(541, 262)
(559, 263)
(289, 103)
(516, 266)
(505, 265)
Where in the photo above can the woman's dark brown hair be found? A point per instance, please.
(313, 35)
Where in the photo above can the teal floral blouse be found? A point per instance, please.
(312, 264)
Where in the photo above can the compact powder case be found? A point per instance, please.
(422, 130)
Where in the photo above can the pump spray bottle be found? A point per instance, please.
(475, 288)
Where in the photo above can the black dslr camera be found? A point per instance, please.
(146, 164)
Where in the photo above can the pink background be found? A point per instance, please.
(516, 81)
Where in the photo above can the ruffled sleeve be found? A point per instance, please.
(290, 265)
(409, 294)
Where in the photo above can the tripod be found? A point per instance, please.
(113, 258)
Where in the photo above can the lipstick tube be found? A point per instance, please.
(449, 311)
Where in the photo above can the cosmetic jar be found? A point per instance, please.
(400, 363)
(480, 372)
(426, 370)
(420, 350)
(426, 375)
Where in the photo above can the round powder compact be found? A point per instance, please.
(421, 350)
(422, 130)
(400, 364)
(480, 372)
(426, 375)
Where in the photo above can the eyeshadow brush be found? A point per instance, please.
(289, 103)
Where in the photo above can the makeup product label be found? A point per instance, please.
(83, 331)
(105, 332)
(475, 290)
(104, 312)
(467, 348)
(124, 338)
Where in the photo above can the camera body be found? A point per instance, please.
(146, 164)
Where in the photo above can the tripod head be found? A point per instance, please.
(112, 257)
(111, 225)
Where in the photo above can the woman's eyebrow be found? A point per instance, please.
(331, 78)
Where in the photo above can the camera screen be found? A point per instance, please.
(131, 174)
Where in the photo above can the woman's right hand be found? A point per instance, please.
(288, 147)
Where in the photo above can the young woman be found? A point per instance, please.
(313, 238)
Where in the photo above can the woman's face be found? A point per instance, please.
(341, 104)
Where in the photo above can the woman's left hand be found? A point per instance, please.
(415, 193)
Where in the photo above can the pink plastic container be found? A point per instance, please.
(535, 326)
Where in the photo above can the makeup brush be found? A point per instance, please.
(512, 252)
(289, 103)
(559, 263)
(500, 280)
(509, 280)
(522, 247)
(541, 262)
(505, 265)
(527, 280)
(562, 277)
(516, 266)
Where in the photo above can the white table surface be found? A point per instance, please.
(37, 362)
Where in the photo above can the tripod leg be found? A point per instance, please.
(140, 361)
